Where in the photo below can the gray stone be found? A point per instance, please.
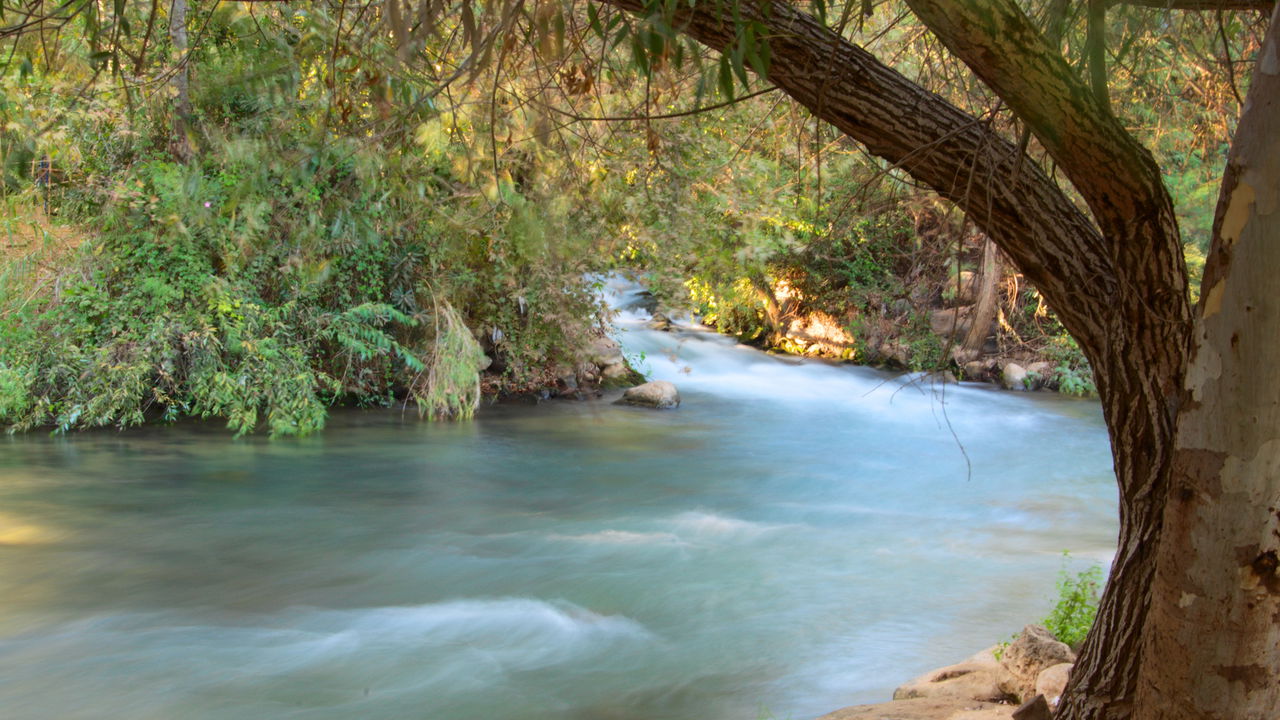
(1014, 377)
(656, 394)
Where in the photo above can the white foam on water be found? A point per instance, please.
(699, 523)
(449, 648)
(623, 537)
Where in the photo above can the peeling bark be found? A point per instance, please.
(1213, 637)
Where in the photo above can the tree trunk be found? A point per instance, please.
(1118, 286)
(1212, 641)
(180, 143)
(984, 309)
(1141, 362)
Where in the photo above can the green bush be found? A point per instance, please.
(1077, 606)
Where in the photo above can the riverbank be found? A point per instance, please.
(818, 335)
(1023, 680)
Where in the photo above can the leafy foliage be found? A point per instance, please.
(382, 195)
(292, 262)
(1077, 605)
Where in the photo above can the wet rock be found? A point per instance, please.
(643, 300)
(1014, 377)
(567, 377)
(659, 321)
(1052, 681)
(1031, 653)
(656, 394)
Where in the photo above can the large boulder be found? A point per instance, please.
(1031, 653)
(951, 322)
(1014, 377)
(604, 351)
(980, 370)
(980, 678)
(1052, 682)
(656, 394)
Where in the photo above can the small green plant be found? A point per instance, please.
(1073, 615)
(1072, 373)
(1002, 647)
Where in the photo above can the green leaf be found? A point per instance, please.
(638, 54)
(726, 77)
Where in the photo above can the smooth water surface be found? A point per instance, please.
(795, 538)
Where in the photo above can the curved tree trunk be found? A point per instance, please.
(1140, 365)
(1119, 286)
(1213, 637)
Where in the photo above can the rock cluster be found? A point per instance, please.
(1033, 652)
(1031, 671)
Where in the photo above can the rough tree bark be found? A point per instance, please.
(1117, 279)
(1140, 367)
(1213, 636)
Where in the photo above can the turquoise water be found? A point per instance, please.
(795, 538)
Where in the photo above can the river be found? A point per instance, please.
(796, 537)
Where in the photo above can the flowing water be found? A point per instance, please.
(794, 538)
